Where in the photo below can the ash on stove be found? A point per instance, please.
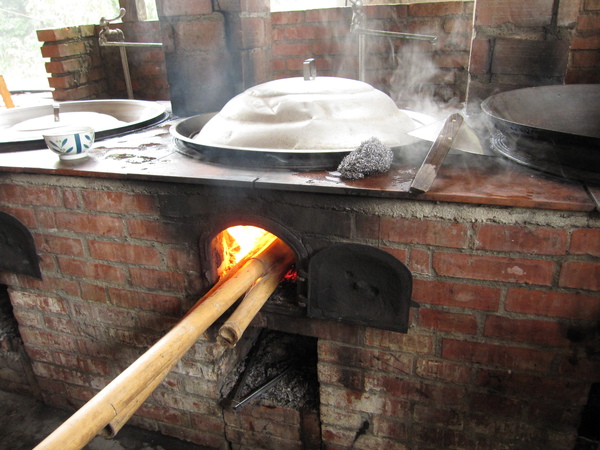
(285, 297)
(8, 324)
(290, 360)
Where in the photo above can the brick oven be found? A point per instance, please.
(503, 334)
(502, 339)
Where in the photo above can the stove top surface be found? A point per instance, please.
(152, 154)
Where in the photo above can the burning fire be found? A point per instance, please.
(291, 275)
(236, 242)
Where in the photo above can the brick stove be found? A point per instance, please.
(501, 349)
(505, 277)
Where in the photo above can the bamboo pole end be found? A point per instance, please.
(229, 335)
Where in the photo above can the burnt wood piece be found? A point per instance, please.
(17, 248)
(437, 153)
(360, 285)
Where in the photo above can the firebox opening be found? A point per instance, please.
(235, 243)
(589, 429)
(8, 324)
(280, 371)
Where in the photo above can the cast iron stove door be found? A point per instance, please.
(17, 248)
(360, 285)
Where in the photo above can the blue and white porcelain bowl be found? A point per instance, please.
(70, 142)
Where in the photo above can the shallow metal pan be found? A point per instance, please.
(555, 129)
(562, 113)
(186, 130)
(135, 115)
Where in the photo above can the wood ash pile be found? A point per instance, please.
(280, 371)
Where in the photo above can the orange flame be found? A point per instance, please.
(236, 242)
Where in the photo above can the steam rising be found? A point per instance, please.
(415, 83)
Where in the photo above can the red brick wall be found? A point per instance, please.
(75, 65)
(513, 44)
(79, 69)
(16, 374)
(520, 44)
(146, 64)
(438, 69)
(584, 62)
(499, 352)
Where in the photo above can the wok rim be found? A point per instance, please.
(537, 132)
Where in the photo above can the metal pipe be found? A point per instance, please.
(56, 111)
(361, 57)
(131, 44)
(127, 75)
(410, 36)
(103, 36)
(357, 27)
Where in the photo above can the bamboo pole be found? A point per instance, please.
(265, 241)
(274, 273)
(5, 93)
(131, 385)
(231, 331)
(114, 426)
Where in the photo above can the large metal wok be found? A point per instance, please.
(23, 128)
(555, 129)
(295, 123)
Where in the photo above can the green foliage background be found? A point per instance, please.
(21, 61)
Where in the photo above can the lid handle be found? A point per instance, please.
(310, 69)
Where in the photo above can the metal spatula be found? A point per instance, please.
(435, 157)
(466, 140)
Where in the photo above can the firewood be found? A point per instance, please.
(260, 245)
(114, 426)
(231, 331)
(118, 399)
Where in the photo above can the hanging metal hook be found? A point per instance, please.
(105, 22)
(105, 32)
(358, 16)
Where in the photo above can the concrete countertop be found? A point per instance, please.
(152, 154)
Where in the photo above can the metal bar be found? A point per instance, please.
(261, 389)
(362, 32)
(356, 27)
(125, 64)
(396, 34)
(361, 57)
(130, 44)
